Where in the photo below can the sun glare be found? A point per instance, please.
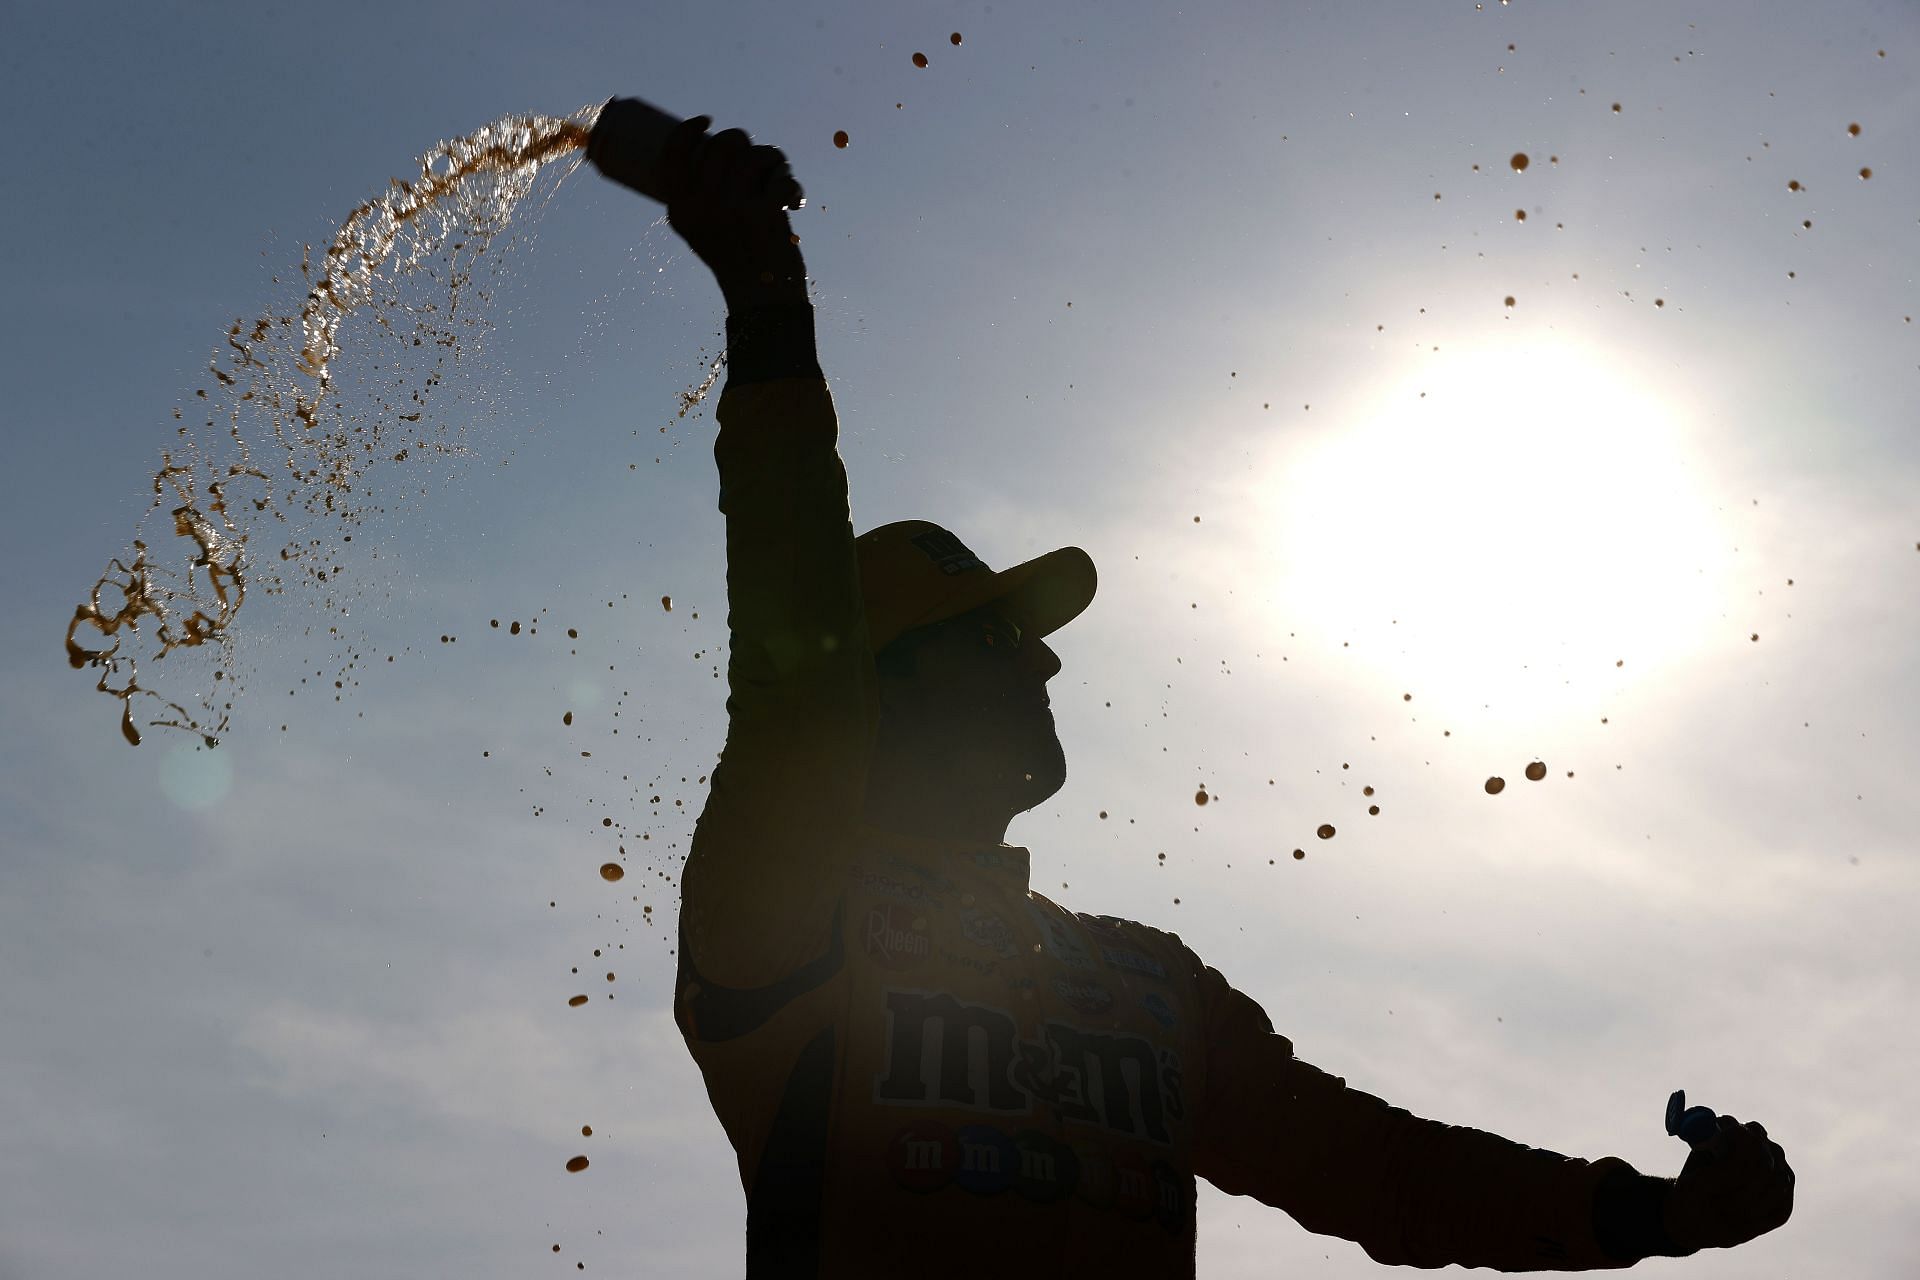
(1534, 512)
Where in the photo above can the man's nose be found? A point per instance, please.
(1042, 660)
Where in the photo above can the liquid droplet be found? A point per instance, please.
(1496, 785)
(1326, 831)
(1536, 771)
(576, 1164)
(611, 871)
(275, 380)
(919, 59)
(840, 138)
(1519, 161)
(576, 1001)
(954, 38)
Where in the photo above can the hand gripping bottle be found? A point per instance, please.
(625, 144)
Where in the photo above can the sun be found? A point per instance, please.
(1517, 511)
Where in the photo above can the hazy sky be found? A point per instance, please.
(1219, 293)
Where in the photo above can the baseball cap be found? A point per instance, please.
(913, 573)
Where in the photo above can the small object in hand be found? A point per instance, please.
(1692, 1125)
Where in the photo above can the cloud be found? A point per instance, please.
(503, 1070)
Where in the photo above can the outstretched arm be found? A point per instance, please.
(1419, 1193)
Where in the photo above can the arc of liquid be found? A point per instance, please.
(197, 605)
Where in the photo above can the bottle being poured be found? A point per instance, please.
(752, 249)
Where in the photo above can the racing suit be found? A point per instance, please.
(925, 1067)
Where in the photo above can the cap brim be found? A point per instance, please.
(1049, 591)
(1044, 594)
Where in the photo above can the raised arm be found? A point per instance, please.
(801, 706)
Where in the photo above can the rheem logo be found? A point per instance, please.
(896, 936)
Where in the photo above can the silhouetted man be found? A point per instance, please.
(925, 1067)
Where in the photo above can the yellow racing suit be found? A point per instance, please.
(928, 1069)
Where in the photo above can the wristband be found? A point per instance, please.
(768, 342)
(1629, 1218)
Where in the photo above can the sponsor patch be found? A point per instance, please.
(1087, 997)
(1134, 962)
(946, 551)
(1047, 1171)
(1134, 1191)
(893, 886)
(1169, 1196)
(1098, 1183)
(941, 1052)
(927, 876)
(988, 1160)
(1059, 940)
(974, 963)
(984, 929)
(922, 1157)
(927, 1156)
(895, 936)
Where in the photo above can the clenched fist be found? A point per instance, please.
(1734, 1186)
(719, 199)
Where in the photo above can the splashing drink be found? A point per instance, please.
(280, 444)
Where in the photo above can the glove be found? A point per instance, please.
(1734, 1186)
(720, 201)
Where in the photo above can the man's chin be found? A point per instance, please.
(1043, 780)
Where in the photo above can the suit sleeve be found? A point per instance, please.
(1411, 1192)
(791, 781)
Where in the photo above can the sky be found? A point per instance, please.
(1389, 487)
